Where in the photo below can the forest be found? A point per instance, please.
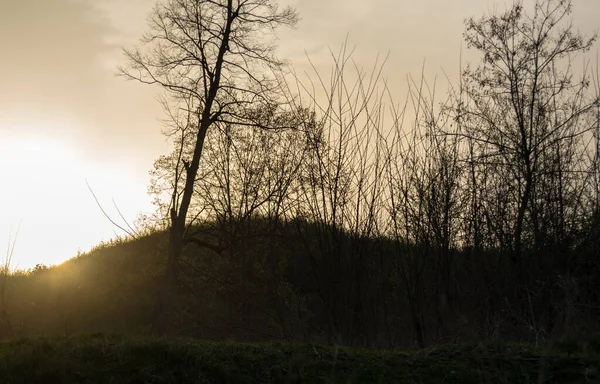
(326, 212)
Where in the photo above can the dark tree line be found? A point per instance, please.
(330, 201)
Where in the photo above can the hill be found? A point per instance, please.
(308, 283)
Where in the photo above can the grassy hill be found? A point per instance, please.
(246, 306)
(307, 283)
(112, 359)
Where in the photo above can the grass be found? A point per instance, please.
(115, 359)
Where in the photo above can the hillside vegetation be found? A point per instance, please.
(242, 295)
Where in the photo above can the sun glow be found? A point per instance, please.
(44, 195)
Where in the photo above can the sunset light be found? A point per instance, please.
(278, 191)
(44, 195)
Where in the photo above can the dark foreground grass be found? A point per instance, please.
(114, 359)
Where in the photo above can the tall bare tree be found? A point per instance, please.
(524, 100)
(215, 59)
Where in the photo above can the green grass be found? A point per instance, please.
(114, 359)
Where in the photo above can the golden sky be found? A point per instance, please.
(66, 118)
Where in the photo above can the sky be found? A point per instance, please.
(67, 120)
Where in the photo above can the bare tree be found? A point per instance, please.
(423, 176)
(524, 100)
(217, 58)
(340, 195)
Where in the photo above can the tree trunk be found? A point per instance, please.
(523, 204)
(168, 295)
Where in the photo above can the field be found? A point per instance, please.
(114, 359)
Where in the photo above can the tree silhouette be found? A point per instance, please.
(215, 59)
(524, 106)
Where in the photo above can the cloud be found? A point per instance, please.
(127, 19)
(58, 78)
